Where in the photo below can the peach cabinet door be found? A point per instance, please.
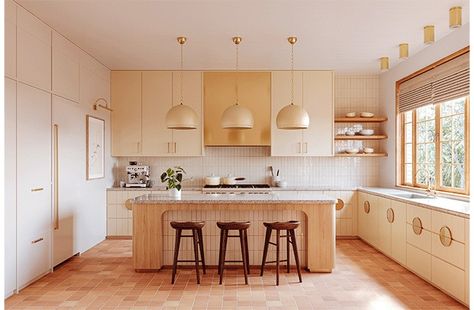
(157, 87)
(66, 64)
(33, 50)
(285, 142)
(10, 39)
(188, 142)
(318, 101)
(33, 183)
(126, 97)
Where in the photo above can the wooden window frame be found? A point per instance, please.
(400, 143)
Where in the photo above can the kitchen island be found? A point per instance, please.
(317, 213)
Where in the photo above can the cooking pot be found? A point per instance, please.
(231, 180)
(212, 180)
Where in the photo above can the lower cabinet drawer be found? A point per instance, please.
(448, 278)
(421, 241)
(454, 253)
(419, 262)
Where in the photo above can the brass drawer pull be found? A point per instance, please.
(417, 226)
(339, 204)
(367, 207)
(38, 189)
(37, 240)
(390, 215)
(445, 236)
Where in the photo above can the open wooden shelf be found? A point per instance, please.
(359, 137)
(375, 119)
(362, 155)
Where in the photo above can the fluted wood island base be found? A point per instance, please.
(320, 231)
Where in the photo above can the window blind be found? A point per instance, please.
(447, 81)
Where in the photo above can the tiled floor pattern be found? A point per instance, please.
(103, 278)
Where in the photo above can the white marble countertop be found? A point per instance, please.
(282, 197)
(280, 189)
(451, 206)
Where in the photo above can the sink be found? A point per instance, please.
(412, 196)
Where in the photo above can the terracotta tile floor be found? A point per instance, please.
(103, 278)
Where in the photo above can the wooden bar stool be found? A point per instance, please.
(196, 229)
(242, 228)
(290, 227)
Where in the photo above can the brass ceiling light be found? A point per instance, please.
(237, 116)
(181, 116)
(292, 116)
(384, 64)
(429, 34)
(455, 17)
(403, 47)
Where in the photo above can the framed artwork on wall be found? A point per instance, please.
(95, 147)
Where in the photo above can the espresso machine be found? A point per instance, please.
(138, 176)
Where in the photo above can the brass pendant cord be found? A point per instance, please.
(292, 74)
(181, 75)
(236, 71)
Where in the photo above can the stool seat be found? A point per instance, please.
(283, 225)
(233, 225)
(187, 225)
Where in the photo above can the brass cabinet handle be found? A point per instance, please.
(300, 147)
(56, 176)
(175, 147)
(169, 144)
(417, 226)
(367, 206)
(305, 147)
(445, 236)
(390, 215)
(339, 204)
(37, 189)
(37, 240)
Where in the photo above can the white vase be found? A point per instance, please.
(174, 192)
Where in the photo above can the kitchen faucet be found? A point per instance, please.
(430, 192)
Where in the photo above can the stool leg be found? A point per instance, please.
(244, 254)
(176, 252)
(196, 255)
(268, 234)
(278, 257)
(287, 251)
(221, 246)
(224, 247)
(295, 251)
(246, 243)
(201, 248)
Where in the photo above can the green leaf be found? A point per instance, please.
(178, 187)
(163, 177)
(179, 177)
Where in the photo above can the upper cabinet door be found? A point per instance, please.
(33, 50)
(126, 118)
(318, 101)
(188, 142)
(254, 94)
(10, 39)
(157, 100)
(285, 142)
(66, 64)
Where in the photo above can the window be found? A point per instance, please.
(434, 152)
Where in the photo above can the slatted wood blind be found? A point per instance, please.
(444, 82)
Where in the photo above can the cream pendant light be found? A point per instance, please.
(292, 116)
(237, 116)
(181, 116)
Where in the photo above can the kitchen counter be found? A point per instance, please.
(451, 206)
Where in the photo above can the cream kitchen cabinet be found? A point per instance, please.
(33, 50)
(346, 213)
(141, 100)
(65, 67)
(33, 183)
(384, 226)
(314, 91)
(10, 39)
(398, 237)
(368, 219)
(126, 97)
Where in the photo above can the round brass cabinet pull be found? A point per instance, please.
(367, 207)
(339, 204)
(445, 236)
(417, 226)
(390, 215)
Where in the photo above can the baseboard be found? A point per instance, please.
(347, 237)
(118, 237)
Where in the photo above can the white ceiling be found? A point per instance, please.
(342, 35)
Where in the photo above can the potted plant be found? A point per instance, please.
(173, 178)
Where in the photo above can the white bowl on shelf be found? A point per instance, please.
(352, 151)
(351, 114)
(350, 133)
(368, 150)
(366, 132)
(367, 114)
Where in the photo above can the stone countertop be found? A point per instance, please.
(199, 198)
(451, 206)
(154, 188)
(280, 189)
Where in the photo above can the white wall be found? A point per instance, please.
(457, 40)
(90, 80)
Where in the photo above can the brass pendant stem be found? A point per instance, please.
(236, 41)
(181, 41)
(292, 41)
